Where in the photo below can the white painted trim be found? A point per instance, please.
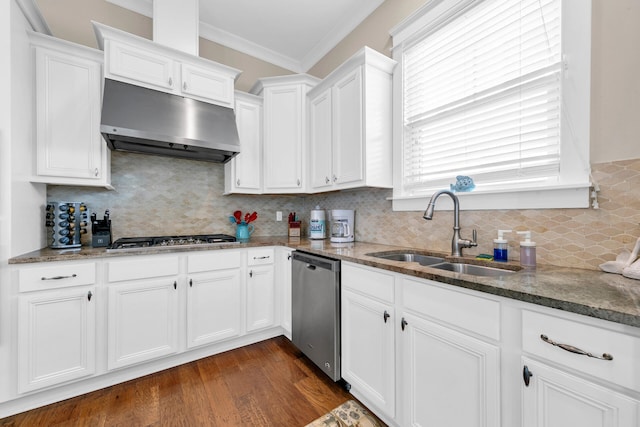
(535, 198)
(143, 7)
(336, 35)
(31, 12)
(248, 47)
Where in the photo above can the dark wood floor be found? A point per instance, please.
(265, 384)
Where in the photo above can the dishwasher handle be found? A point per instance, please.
(317, 262)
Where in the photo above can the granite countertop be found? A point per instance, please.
(588, 292)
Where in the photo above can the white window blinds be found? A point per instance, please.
(482, 97)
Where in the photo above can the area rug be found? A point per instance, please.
(349, 414)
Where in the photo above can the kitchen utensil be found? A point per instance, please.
(252, 217)
(246, 217)
(238, 216)
(232, 219)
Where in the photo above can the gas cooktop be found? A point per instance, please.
(137, 243)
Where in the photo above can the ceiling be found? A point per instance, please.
(293, 34)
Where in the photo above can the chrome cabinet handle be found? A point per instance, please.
(59, 277)
(403, 323)
(191, 283)
(386, 316)
(238, 181)
(170, 81)
(288, 257)
(526, 375)
(250, 273)
(96, 172)
(298, 182)
(326, 180)
(184, 86)
(175, 284)
(89, 295)
(335, 178)
(576, 350)
(262, 257)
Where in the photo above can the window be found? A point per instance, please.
(495, 90)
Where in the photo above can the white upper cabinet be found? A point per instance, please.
(243, 173)
(136, 60)
(285, 110)
(68, 88)
(350, 125)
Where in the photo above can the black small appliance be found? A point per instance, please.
(100, 230)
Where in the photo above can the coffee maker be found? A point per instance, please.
(342, 225)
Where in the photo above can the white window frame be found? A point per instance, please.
(572, 190)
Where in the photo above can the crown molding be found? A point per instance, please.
(143, 7)
(31, 12)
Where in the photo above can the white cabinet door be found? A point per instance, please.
(284, 136)
(132, 64)
(243, 173)
(260, 297)
(142, 321)
(557, 399)
(213, 307)
(450, 379)
(56, 337)
(348, 141)
(69, 146)
(207, 85)
(368, 348)
(320, 141)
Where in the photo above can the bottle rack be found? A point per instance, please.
(66, 223)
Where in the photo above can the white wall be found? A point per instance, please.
(21, 202)
(27, 199)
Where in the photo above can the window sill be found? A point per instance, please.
(560, 197)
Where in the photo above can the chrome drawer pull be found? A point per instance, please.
(262, 257)
(576, 350)
(59, 277)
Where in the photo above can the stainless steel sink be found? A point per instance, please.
(475, 270)
(426, 260)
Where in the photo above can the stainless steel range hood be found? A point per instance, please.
(143, 120)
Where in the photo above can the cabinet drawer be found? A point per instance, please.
(216, 260)
(368, 281)
(623, 370)
(142, 268)
(260, 256)
(52, 276)
(470, 312)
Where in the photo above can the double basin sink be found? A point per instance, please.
(441, 264)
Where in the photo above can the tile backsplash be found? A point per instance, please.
(161, 196)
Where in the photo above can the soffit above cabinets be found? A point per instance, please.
(293, 34)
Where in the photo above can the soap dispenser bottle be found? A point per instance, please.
(527, 250)
(500, 252)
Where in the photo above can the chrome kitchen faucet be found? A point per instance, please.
(457, 243)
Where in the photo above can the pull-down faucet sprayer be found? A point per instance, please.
(457, 243)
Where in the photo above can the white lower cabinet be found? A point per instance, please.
(577, 372)
(368, 336)
(213, 297)
(142, 321)
(555, 398)
(368, 361)
(261, 293)
(56, 337)
(445, 371)
(143, 304)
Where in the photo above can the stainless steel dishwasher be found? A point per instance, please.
(315, 310)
